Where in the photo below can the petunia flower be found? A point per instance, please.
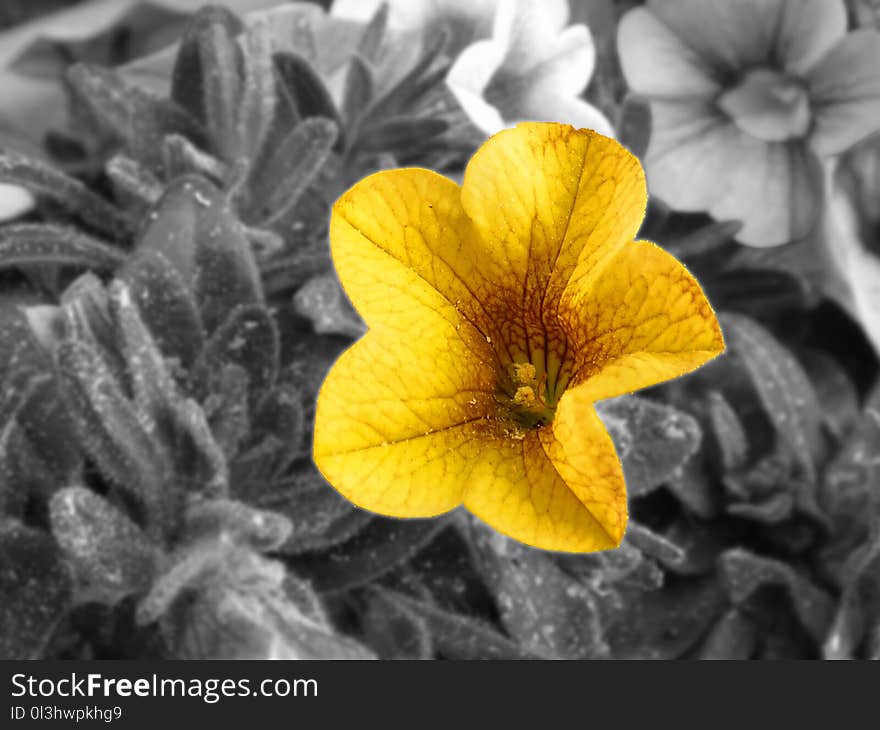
(746, 97)
(515, 60)
(499, 312)
(533, 67)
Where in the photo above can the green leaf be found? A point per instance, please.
(546, 611)
(35, 589)
(74, 197)
(112, 556)
(41, 243)
(652, 440)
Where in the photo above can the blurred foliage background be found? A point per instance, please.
(168, 310)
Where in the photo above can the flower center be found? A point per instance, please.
(529, 405)
(768, 105)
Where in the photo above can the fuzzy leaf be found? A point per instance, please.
(322, 301)
(393, 628)
(137, 118)
(709, 240)
(194, 228)
(374, 32)
(276, 186)
(304, 86)
(166, 305)
(788, 397)
(835, 391)
(321, 516)
(109, 429)
(733, 637)
(112, 556)
(226, 408)
(730, 435)
(358, 89)
(376, 549)
(275, 438)
(661, 624)
(401, 135)
(549, 613)
(38, 243)
(259, 529)
(182, 157)
(178, 423)
(35, 590)
(133, 183)
(744, 573)
(652, 440)
(37, 454)
(258, 99)
(457, 636)
(426, 73)
(74, 197)
(634, 127)
(654, 545)
(249, 339)
(206, 79)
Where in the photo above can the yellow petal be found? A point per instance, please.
(399, 409)
(403, 248)
(397, 418)
(638, 320)
(543, 198)
(559, 488)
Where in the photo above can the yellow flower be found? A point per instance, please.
(499, 312)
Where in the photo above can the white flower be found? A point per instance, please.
(532, 68)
